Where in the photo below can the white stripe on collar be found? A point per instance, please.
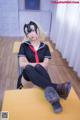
(28, 42)
(41, 46)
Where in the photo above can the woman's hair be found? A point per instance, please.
(31, 26)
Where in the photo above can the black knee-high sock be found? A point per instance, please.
(19, 81)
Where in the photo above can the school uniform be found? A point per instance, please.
(43, 52)
(38, 74)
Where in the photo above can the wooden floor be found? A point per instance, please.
(58, 68)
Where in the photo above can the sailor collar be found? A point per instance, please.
(42, 45)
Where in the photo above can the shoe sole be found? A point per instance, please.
(51, 95)
(59, 109)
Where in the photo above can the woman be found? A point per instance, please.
(34, 57)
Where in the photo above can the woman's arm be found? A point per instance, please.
(23, 62)
(45, 62)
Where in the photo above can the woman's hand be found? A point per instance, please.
(45, 62)
(23, 62)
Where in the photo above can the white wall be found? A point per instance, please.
(42, 18)
(9, 18)
(21, 4)
(11, 21)
(46, 5)
(53, 21)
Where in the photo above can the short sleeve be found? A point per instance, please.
(22, 50)
(47, 53)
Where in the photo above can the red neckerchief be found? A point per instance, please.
(35, 52)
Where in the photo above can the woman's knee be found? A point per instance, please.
(38, 66)
(27, 71)
(29, 67)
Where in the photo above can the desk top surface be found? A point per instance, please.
(30, 104)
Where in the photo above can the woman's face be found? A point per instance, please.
(33, 36)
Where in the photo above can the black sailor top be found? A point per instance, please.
(42, 52)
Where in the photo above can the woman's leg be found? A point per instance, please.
(39, 76)
(19, 83)
(63, 89)
(38, 79)
(42, 71)
(35, 77)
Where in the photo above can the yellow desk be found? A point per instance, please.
(30, 104)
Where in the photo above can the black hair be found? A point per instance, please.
(28, 29)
